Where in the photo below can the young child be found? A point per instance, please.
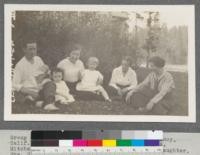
(42, 76)
(91, 79)
(62, 91)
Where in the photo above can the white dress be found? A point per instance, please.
(89, 81)
(62, 93)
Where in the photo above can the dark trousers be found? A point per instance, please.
(47, 94)
(142, 98)
(113, 91)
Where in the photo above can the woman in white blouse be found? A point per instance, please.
(123, 78)
(71, 67)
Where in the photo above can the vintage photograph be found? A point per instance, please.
(100, 63)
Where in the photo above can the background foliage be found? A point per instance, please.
(100, 34)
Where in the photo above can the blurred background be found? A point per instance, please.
(107, 35)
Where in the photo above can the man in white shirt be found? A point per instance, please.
(123, 78)
(24, 82)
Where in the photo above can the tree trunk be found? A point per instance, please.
(147, 58)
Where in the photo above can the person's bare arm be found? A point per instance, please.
(99, 81)
(166, 88)
(113, 81)
(138, 88)
(63, 95)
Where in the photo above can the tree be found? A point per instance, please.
(99, 33)
(153, 34)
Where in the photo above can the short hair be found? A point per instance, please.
(94, 59)
(75, 47)
(127, 59)
(157, 61)
(57, 70)
(29, 41)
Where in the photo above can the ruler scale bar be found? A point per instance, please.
(96, 150)
(124, 153)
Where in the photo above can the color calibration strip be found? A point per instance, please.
(97, 141)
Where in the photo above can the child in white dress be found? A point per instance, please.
(62, 91)
(91, 79)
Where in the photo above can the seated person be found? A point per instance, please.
(24, 84)
(123, 78)
(91, 80)
(154, 94)
(62, 91)
(71, 67)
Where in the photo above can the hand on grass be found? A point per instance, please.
(149, 106)
(119, 91)
(124, 90)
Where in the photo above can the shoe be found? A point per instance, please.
(65, 103)
(108, 100)
(51, 107)
(142, 109)
(39, 104)
(29, 98)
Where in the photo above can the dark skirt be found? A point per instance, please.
(88, 96)
(72, 87)
(82, 95)
(47, 94)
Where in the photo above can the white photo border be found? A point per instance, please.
(8, 116)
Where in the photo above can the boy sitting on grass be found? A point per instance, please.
(155, 94)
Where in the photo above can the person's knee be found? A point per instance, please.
(112, 91)
(49, 88)
(50, 85)
(139, 100)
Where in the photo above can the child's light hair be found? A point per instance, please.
(42, 70)
(94, 59)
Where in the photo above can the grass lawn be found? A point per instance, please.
(116, 107)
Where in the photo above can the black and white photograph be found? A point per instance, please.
(128, 63)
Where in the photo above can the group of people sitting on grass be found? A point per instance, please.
(70, 79)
